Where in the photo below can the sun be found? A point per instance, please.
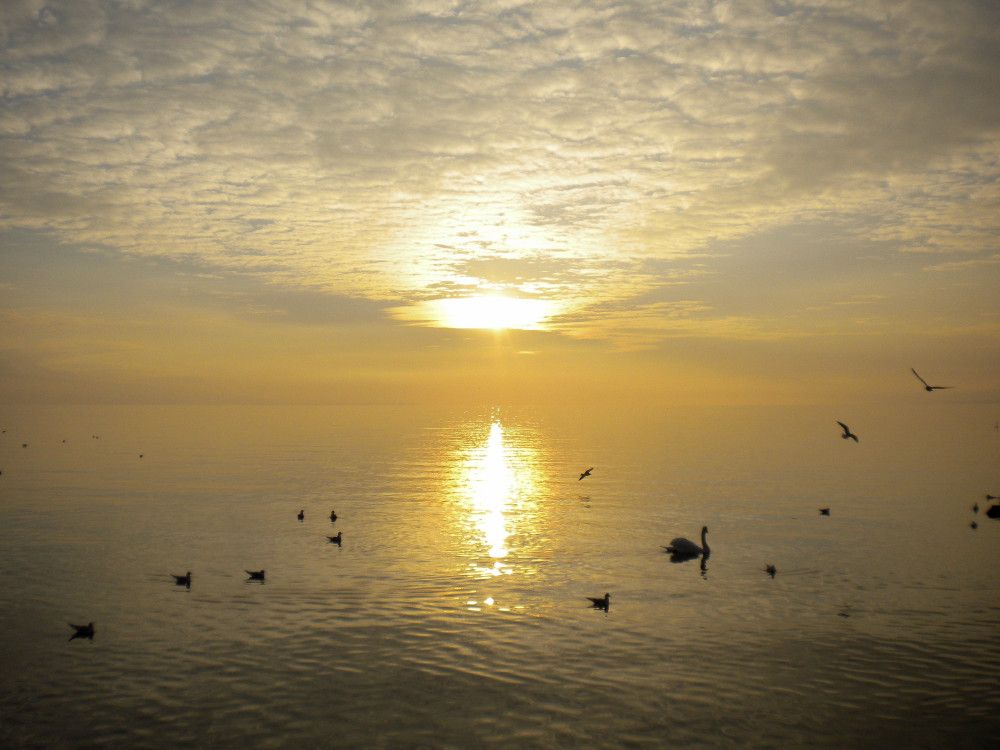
(491, 312)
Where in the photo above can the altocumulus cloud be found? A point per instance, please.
(401, 151)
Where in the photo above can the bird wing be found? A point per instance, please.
(847, 430)
(918, 377)
(940, 387)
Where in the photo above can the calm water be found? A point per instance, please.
(454, 614)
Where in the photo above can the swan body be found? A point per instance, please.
(685, 548)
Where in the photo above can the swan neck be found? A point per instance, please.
(704, 541)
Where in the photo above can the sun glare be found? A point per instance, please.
(496, 312)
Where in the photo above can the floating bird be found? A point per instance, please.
(930, 388)
(771, 570)
(991, 497)
(255, 575)
(24, 445)
(994, 511)
(684, 549)
(140, 455)
(974, 525)
(585, 474)
(302, 515)
(824, 511)
(601, 603)
(847, 432)
(975, 507)
(333, 516)
(184, 580)
(337, 539)
(82, 631)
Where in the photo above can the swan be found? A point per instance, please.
(684, 548)
(602, 602)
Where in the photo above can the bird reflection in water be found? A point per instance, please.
(496, 484)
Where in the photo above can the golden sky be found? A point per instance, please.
(405, 201)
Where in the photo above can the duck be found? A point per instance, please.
(337, 539)
(684, 549)
(184, 580)
(255, 575)
(824, 511)
(333, 516)
(601, 602)
(771, 570)
(83, 631)
(302, 515)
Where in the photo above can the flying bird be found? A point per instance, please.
(82, 631)
(337, 539)
(824, 511)
(255, 575)
(684, 549)
(184, 580)
(928, 387)
(847, 432)
(585, 474)
(601, 603)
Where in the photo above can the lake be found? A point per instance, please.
(454, 614)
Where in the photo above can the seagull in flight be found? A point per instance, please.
(585, 474)
(847, 432)
(928, 387)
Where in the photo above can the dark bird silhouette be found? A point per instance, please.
(24, 445)
(824, 511)
(974, 525)
(991, 497)
(601, 603)
(302, 515)
(975, 507)
(847, 432)
(140, 455)
(337, 539)
(82, 631)
(255, 575)
(684, 549)
(184, 580)
(585, 474)
(333, 516)
(928, 387)
(993, 511)
(771, 570)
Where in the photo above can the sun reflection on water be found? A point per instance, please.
(497, 488)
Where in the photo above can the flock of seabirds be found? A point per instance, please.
(680, 549)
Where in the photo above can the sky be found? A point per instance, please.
(435, 200)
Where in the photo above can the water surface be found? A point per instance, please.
(455, 613)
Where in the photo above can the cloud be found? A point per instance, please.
(392, 150)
